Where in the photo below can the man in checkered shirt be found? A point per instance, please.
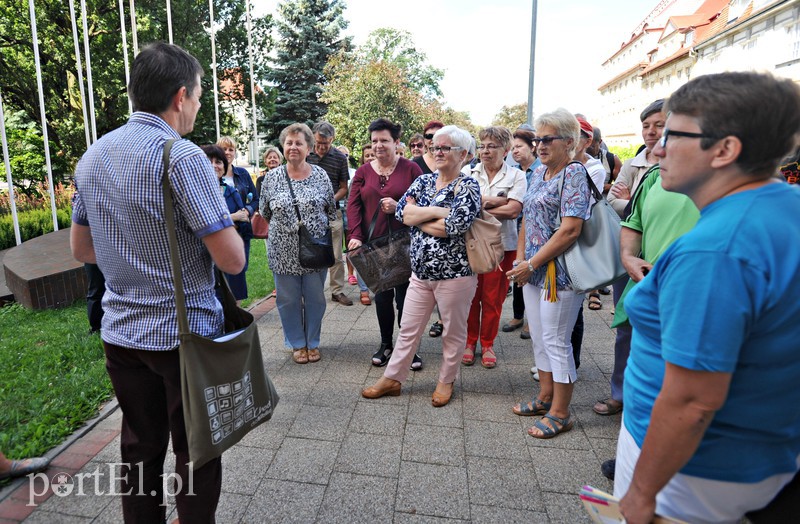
(118, 223)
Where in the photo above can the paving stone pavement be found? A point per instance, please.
(328, 455)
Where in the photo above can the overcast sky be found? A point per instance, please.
(484, 46)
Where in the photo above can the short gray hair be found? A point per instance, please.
(564, 123)
(324, 129)
(297, 128)
(272, 149)
(457, 136)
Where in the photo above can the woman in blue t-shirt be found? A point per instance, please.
(711, 428)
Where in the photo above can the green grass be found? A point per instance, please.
(52, 372)
(52, 377)
(259, 277)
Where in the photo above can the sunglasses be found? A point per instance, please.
(546, 140)
(417, 144)
(428, 136)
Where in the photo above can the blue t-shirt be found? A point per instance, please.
(724, 298)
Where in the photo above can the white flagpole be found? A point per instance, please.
(9, 178)
(133, 29)
(252, 84)
(80, 71)
(169, 21)
(42, 111)
(125, 51)
(214, 64)
(88, 70)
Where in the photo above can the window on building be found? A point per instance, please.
(688, 38)
(794, 38)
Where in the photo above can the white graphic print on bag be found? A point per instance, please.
(230, 406)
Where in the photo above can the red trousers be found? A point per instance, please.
(487, 304)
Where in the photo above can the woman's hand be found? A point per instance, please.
(389, 205)
(353, 243)
(240, 216)
(636, 507)
(621, 191)
(520, 274)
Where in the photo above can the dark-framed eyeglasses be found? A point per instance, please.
(686, 134)
(488, 147)
(428, 136)
(546, 140)
(416, 144)
(445, 149)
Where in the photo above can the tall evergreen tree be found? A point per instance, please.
(309, 34)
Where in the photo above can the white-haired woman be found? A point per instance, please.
(441, 207)
(558, 188)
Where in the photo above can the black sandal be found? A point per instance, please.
(436, 329)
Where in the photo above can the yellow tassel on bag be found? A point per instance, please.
(549, 290)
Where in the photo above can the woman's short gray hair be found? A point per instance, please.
(297, 128)
(457, 136)
(272, 149)
(564, 123)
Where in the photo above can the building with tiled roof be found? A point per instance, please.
(693, 39)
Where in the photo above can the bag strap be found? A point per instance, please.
(598, 196)
(294, 199)
(172, 237)
(174, 252)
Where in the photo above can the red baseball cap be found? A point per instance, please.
(586, 127)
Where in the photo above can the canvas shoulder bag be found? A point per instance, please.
(225, 389)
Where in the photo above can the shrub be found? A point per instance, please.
(32, 224)
(624, 153)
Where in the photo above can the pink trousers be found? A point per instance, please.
(453, 297)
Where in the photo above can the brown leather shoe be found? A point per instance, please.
(384, 387)
(441, 396)
(342, 299)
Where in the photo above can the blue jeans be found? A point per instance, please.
(301, 306)
(361, 285)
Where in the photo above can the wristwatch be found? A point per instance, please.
(530, 266)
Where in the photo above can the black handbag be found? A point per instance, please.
(314, 252)
(225, 389)
(384, 262)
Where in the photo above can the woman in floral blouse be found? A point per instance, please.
(441, 207)
(300, 296)
(558, 187)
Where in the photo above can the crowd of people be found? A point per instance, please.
(706, 349)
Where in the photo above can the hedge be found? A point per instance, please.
(32, 224)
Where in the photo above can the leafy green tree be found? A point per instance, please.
(512, 116)
(309, 34)
(397, 47)
(59, 77)
(359, 92)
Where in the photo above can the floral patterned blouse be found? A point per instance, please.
(540, 209)
(437, 258)
(317, 209)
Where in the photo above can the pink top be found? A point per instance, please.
(366, 194)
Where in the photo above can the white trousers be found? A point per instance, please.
(694, 499)
(551, 325)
